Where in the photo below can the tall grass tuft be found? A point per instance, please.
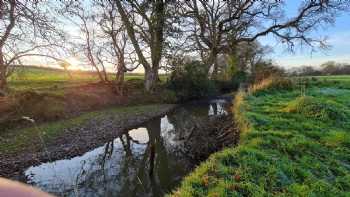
(238, 110)
(272, 82)
(239, 104)
(312, 107)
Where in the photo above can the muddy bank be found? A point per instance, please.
(210, 137)
(76, 140)
(52, 104)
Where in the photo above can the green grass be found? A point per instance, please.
(17, 140)
(36, 78)
(290, 146)
(335, 77)
(330, 81)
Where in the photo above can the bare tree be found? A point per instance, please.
(219, 26)
(26, 29)
(90, 40)
(248, 54)
(145, 22)
(65, 65)
(118, 46)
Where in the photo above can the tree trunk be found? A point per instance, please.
(68, 72)
(99, 74)
(120, 77)
(213, 66)
(105, 74)
(3, 80)
(151, 79)
(156, 39)
(121, 69)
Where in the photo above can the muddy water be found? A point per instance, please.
(146, 161)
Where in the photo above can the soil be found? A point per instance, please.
(212, 136)
(76, 141)
(44, 105)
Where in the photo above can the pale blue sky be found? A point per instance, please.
(338, 37)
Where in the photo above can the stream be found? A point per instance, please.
(149, 160)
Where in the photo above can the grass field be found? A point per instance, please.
(292, 144)
(25, 78)
(335, 77)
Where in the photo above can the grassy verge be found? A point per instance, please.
(291, 145)
(18, 140)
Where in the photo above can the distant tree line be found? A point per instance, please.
(327, 68)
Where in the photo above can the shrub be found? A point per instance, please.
(238, 78)
(169, 96)
(232, 84)
(232, 74)
(313, 108)
(191, 81)
(265, 69)
(135, 83)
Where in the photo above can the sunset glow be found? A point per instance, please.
(75, 63)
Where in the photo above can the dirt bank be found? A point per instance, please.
(76, 140)
(52, 104)
(211, 136)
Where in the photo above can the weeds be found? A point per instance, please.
(312, 107)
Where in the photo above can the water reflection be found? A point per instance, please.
(147, 161)
(217, 107)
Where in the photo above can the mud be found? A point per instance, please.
(76, 141)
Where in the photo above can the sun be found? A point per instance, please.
(74, 63)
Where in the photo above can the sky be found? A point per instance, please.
(338, 38)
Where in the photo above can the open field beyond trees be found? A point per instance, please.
(42, 78)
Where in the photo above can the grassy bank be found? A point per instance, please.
(292, 144)
(31, 138)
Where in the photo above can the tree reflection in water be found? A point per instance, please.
(217, 108)
(147, 161)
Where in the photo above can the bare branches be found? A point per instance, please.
(25, 29)
(29, 52)
(132, 34)
(11, 24)
(90, 39)
(219, 26)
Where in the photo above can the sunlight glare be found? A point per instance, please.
(74, 63)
